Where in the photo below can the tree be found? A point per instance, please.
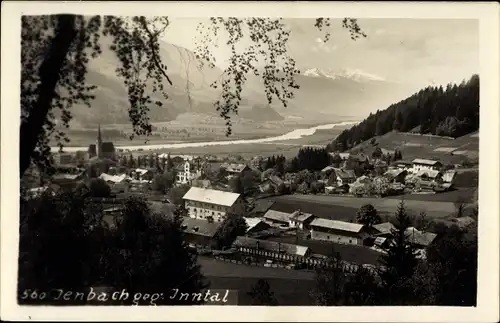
(145, 244)
(398, 121)
(398, 263)
(361, 288)
(329, 282)
(56, 50)
(377, 153)
(368, 215)
(163, 182)
(177, 193)
(460, 204)
(237, 185)
(99, 188)
(234, 225)
(59, 233)
(261, 294)
(453, 264)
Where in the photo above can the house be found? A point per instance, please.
(403, 165)
(199, 232)
(344, 176)
(381, 242)
(256, 225)
(425, 164)
(235, 169)
(143, 174)
(270, 248)
(187, 172)
(300, 220)
(338, 231)
(64, 158)
(420, 239)
(384, 229)
(260, 207)
(464, 221)
(206, 204)
(273, 183)
(380, 165)
(277, 218)
(113, 179)
(396, 175)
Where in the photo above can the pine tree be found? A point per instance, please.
(261, 294)
(398, 263)
(398, 121)
(330, 280)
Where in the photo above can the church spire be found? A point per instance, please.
(98, 146)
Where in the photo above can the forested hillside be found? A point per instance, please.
(452, 112)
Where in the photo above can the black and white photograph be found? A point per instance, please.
(248, 160)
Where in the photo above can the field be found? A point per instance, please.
(344, 208)
(445, 149)
(290, 287)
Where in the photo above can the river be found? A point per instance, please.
(295, 134)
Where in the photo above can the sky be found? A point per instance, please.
(419, 52)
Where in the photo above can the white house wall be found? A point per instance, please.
(336, 237)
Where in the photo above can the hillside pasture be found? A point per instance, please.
(425, 146)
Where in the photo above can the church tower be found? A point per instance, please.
(98, 143)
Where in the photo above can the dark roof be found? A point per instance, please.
(92, 149)
(200, 227)
(345, 173)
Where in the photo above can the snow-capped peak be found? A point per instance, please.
(352, 74)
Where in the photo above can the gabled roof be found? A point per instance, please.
(236, 168)
(394, 172)
(431, 173)
(275, 180)
(428, 162)
(327, 168)
(277, 216)
(252, 222)
(113, 178)
(337, 225)
(200, 227)
(141, 171)
(344, 173)
(206, 195)
(269, 245)
(420, 238)
(384, 228)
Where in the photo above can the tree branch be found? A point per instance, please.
(152, 39)
(49, 77)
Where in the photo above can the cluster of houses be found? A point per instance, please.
(207, 209)
(417, 175)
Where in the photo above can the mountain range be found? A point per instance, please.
(323, 94)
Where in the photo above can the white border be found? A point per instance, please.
(488, 292)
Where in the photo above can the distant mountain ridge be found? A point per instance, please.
(323, 95)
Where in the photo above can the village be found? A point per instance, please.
(207, 190)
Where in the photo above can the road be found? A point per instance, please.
(219, 268)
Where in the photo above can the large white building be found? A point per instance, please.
(187, 172)
(338, 231)
(204, 204)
